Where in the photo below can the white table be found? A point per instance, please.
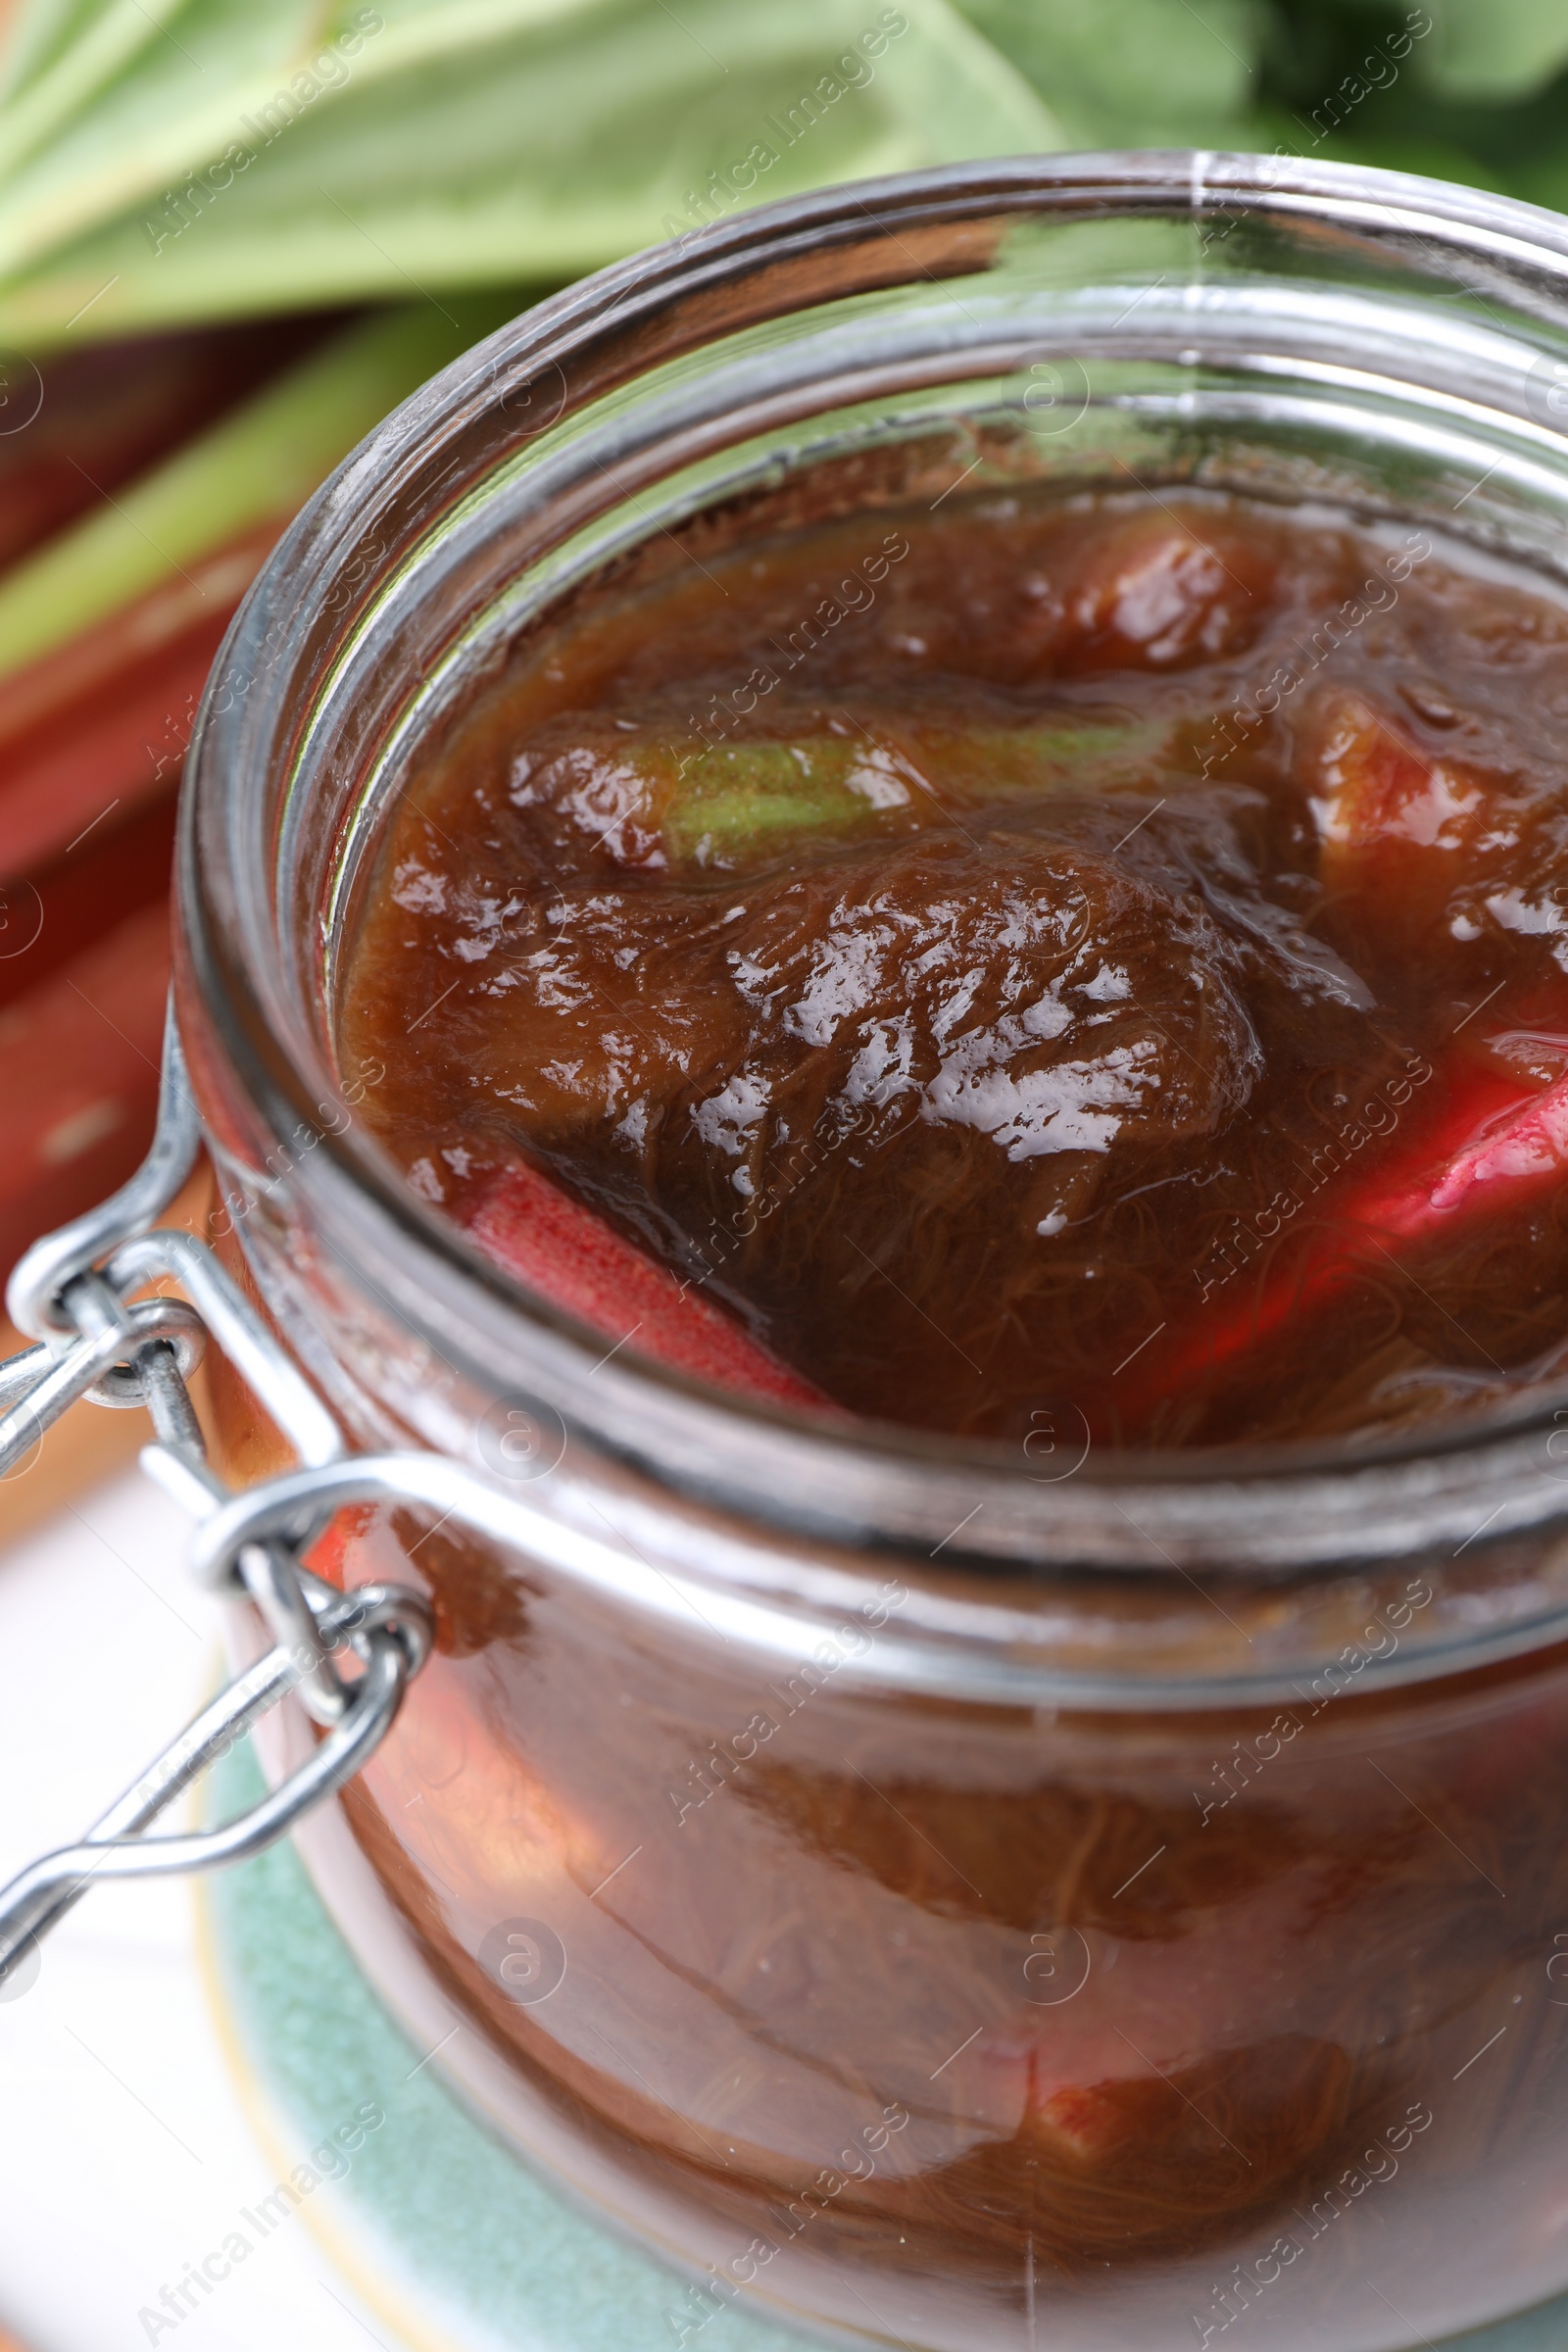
(124, 2153)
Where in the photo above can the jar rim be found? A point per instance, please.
(1272, 1509)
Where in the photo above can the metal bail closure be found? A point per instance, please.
(386, 1627)
(70, 1290)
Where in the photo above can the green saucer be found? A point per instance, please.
(439, 2230)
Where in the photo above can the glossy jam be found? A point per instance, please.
(1010, 2027)
(948, 966)
(1029, 956)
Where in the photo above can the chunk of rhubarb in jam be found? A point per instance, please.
(1515, 1151)
(1484, 1159)
(1385, 813)
(647, 797)
(564, 1252)
(1153, 593)
(1163, 2123)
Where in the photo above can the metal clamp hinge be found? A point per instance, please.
(73, 1293)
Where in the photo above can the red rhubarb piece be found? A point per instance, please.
(569, 1255)
(100, 726)
(97, 417)
(1153, 593)
(79, 1077)
(1484, 1161)
(1387, 816)
(1516, 1151)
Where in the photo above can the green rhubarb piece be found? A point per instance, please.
(750, 799)
(750, 796)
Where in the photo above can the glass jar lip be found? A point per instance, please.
(242, 992)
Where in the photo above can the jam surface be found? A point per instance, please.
(962, 966)
(1105, 953)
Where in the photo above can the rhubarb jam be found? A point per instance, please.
(938, 964)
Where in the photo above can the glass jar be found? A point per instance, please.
(935, 1893)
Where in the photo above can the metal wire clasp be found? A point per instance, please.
(73, 1294)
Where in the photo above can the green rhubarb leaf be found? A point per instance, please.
(243, 159)
(260, 463)
(40, 31)
(1123, 72)
(1492, 49)
(102, 49)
